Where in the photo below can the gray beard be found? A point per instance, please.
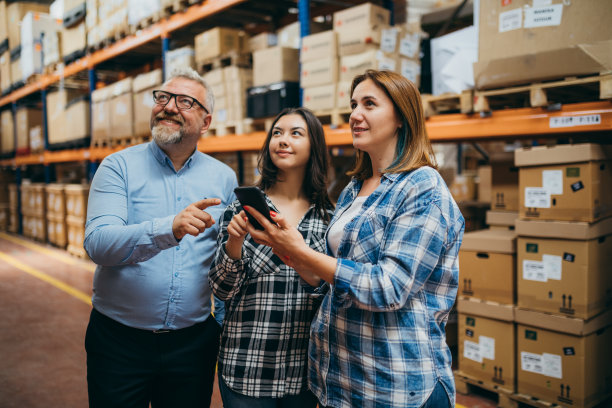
(164, 136)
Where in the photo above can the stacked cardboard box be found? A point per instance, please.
(110, 19)
(56, 214)
(67, 118)
(7, 130)
(101, 116)
(486, 298)
(143, 87)
(5, 200)
(33, 209)
(121, 104)
(76, 214)
(34, 27)
(13, 223)
(218, 42)
(564, 288)
(319, 70)
(229, 86)
(180, 58)
(27, 118)
(250, 171)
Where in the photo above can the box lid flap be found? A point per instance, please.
(564, 229)
(572, 153)
(563, 324)
(502, 218)
(492, 240)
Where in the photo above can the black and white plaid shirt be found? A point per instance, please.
(265, 335)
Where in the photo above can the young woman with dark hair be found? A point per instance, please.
(390, 275)
(263, 353)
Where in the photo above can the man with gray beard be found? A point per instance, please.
(152, 338)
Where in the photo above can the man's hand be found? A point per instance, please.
(193, 220)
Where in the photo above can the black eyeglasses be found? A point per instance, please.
(183, 102)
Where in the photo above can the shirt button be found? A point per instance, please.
(179, 198)
(178, 248)
(176, 275)
(172, 300)
(168, 324)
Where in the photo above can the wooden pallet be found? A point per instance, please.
(467, 384)
(568, 90)
(147, 22)
(447, 103)
(334, 117)
(231, 128)
(232, 58)
(178, 6)
(129, 141)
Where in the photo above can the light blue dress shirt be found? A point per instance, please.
(145, 278)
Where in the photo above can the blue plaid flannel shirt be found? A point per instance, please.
(378, 339)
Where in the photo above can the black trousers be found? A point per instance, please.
(129, 367)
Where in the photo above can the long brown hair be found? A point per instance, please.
(413, 148)
(315, 177)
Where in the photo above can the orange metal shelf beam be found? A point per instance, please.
(160, 29)
(512, 123)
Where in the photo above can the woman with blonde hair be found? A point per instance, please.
(390, 274)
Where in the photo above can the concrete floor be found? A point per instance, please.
(44, 304)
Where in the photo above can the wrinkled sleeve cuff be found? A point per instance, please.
(163, 237)
(342, 282)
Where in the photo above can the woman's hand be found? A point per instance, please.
(237, 230)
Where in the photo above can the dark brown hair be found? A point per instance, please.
(315, 178)
(413, 148)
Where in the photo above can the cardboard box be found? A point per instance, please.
(56, 230)
(216, 42)
(15, 13)
(565, 276)
(13, 201)
(101, 114)
(569, 183)
(563, 229)
(276, 64)
(487, 350)
(180, 58)
(562, 368)
(502, 218)
(77, 119)
(320, 97)
(16, 73)
(57, 129)
(401, 40)
(37, 142)
(343, 95)
(520, 41)
(452, 59)
(147, 80)
(484, 184)
(319, 72)
(75, 228)
(76, 200)
(353, 65)
(74, 39)
(122, 109)
(143, 106)
(504, 186)
(262, 41)
(56, 199)
(290, 35)
(5, 71)
(487, 262)
(320, 45)
(3, 25)
(360, 17)
(7, 131)
(52, 50)
(359, 41)
(26, 119)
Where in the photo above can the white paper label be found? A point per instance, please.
(388, 40)
(552, 266)
(551, 365)
(410, 70)
(543, 16)
(537, 197)
(534, 271)
(552, 181)
(539, 3)
(510, 20)
(571, 121)
(487, 347)
(471, 351)
(531, 362)
(409, 45)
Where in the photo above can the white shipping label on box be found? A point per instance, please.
(537, 197)
(471, 351)
(388, 39)
(534, 271)
(487, 347)
(510, 20)
(552, 266)
(543, 16)
(531, 362)
(552, 181)
(411, 70)
(551, 365)
(409, 45)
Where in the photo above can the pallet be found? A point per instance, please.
(178, 6)
(147, 22)
(447, 103)
(333, 117)
(259, 124)
(77, 251)
(74, 56)
(53, 68)
(129, 141)
(101, 143)
(467, 384)
(568, 90)
(231, 58)
(231, 128)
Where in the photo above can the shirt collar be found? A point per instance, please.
(163, 158)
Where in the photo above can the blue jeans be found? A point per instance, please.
(438, 398)
(232, 399)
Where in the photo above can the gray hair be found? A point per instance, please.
(190, 73)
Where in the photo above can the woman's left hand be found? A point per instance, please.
(285, 240)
